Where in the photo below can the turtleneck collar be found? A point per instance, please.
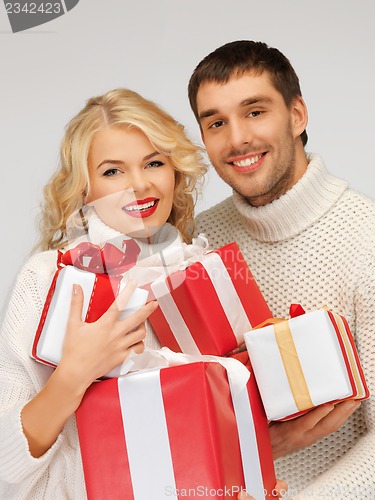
(99, 233)
(308, 200)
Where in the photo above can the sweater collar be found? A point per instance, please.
(99, 233)
(308, 200)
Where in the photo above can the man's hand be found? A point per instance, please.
(300, 432)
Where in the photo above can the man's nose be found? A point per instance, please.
(239, 134)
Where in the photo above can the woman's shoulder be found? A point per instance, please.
(41, 264)
(31, 284)
(42, 260)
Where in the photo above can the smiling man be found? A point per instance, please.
(251, 138)
(307, 238)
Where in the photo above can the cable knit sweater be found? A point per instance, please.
(58, 474)
(315, 246)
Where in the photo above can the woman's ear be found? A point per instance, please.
(86, 195)
(84, 221)
(299, 116)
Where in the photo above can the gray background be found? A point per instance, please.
(48, 72)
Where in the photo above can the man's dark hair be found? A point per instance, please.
(237, 58)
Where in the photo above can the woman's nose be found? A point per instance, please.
(138, 181)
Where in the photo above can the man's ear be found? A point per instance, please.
(299, 116)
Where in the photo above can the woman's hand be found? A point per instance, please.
(91, 350)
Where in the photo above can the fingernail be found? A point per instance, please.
(154, 304)
(75, 289)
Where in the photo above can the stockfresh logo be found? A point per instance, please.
(24, 15)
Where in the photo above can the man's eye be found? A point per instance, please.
(155, 164)
(111, 171)
(254, 113)
(217, 124)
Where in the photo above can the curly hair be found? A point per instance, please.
(64, 195)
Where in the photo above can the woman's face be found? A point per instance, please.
(131, 184)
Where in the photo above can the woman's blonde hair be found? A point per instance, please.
(65, 194)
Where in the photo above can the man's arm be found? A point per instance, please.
(352, 475)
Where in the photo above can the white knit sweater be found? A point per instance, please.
(58, 474)
(315, 246)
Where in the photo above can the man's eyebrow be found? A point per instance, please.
(120, 162)
(246, 102)
(208, 113)
(255, 100)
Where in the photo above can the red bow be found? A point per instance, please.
(296, 310)
(107, 260)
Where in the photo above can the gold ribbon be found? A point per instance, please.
(349, 351)
(292, 366)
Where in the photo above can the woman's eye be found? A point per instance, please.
(155, 164)
(111, 171)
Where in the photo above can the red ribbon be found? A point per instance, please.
(106, 260)
(296, 310)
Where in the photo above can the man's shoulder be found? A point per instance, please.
(365, 200)
(360, 206)
(219, 223)
(217, 214)
(354, 218)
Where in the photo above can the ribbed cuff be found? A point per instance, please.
(16, 462)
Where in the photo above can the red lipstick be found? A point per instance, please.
(141, 208)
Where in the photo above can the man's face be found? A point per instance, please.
(250, 135)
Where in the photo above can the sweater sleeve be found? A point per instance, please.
(21, 378)
(352, 476)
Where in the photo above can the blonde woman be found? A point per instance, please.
(126, 168)
(39, 456)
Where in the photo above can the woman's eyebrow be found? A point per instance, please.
(120, 162)
(112, 162)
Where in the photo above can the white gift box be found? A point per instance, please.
(48, 342)
(304, 362)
